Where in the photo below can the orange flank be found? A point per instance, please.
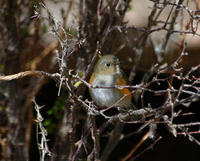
(122, 82)
(91, 78)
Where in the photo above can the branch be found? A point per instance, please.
(28, 73)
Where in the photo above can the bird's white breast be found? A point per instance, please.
(105, 96)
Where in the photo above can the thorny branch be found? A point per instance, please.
(41, 135)
(68, 79)
(138, 115)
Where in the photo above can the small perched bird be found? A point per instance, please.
(107, 73)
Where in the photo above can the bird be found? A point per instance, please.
(107, 73)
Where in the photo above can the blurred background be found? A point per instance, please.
(141, 33)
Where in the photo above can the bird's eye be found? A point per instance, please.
(108, 64)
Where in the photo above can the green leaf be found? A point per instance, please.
(47, 122)
(62, 11)
(44, 28)
(1, 67)
(24, 31)
(129, 8)
(1, 108)
(34, 3)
